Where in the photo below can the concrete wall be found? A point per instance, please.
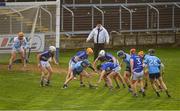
(125, 39)
(143, 39)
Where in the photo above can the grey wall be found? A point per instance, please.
(126, 39)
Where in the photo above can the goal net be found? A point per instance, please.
(36, 19)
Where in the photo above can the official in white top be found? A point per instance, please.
(100, 36)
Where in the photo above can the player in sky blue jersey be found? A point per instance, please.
(78, 69)
(154, 66)
(136, 63)
(127, 73)
(108, 70)
(80, 56)
(44, 65)
(19, 45)
(107, 57)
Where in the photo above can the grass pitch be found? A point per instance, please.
(20, 89)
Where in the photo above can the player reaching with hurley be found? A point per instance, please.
(79, 69)
(127, 73)
(107, 57)
(109, 70)
(80, 56)
(19, 45)
(44, 65)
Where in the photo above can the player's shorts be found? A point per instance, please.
(71, 64)
(75, 73)
(17, 49)
(138, 75)
(154, 76)
(117, 69)
(45, 64)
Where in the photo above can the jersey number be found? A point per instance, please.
(153, 63)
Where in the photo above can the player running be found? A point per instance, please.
(127, 73)
(107, 57)
(136, 64)
(19, 45)
(108, 70)
(78, 69)
(44, 65)
(154, 66)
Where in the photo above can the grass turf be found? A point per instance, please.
(21, 90)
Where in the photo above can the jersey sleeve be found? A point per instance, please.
(103, 67)
(81, 54)
(15, 43)
(158, 61)
(44, 53)
(145, 61)
(25, 43)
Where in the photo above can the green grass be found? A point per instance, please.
(20, 90)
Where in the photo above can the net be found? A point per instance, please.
(36, 19)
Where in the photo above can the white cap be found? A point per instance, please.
(52, 48)
(102, 53)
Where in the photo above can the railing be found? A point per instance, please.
(154, 5)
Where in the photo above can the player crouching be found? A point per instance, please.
(109, 70)
(78, 69)
(19, 45)
(44, 65)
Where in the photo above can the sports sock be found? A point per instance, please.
(158, 94)
(167, 93)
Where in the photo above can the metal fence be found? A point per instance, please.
(150, 7)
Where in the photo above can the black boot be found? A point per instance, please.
(145, 86)
(167, 93)
(143, 93)
(117, 87)
(42, 83)
(158, 94)
(82, 84)
(124, 86)
(65, 86)
(47, 83)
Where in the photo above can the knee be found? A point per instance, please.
(50, 71)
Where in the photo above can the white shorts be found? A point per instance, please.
(17, 49)
(117, 69)
(45, 64)
(71, 64)
(138, 76)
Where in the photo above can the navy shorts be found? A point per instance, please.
(75, 73)
(154, 76)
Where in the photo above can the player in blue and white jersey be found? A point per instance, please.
(107, 57)
(44, 65)
(19, 45)
(108, 70)
(154, 66)
(136, 63)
